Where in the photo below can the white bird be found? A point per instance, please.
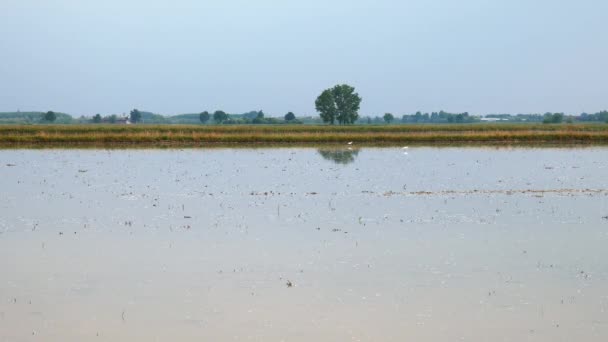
(350, 142)
(405, 147)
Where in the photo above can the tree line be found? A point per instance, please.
(337, 105)
(255, 118)
(439, 117)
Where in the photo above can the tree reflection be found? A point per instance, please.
(339, 156)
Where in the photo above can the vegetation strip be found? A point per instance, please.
(199, 135)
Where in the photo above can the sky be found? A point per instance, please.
(184, 56)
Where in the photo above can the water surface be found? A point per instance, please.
(378, 244)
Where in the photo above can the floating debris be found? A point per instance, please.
(535, 192)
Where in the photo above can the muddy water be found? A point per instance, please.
(423, 244)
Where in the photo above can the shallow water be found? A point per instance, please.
(379, 244)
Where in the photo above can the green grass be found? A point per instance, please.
(199, 135)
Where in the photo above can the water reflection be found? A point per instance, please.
(339, 156)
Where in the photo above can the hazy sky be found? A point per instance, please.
(185, 56)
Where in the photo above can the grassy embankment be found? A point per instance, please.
(199, 135)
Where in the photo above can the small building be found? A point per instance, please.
(493, 119)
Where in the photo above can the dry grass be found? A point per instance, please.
(177, 135)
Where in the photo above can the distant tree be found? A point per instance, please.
(135, 116)
(339, 103)
(220, 116)
(97, 118)
(49, 116)
(388, 118)
(112, 118)
(554, 118)
(600, 116)
(290, 116)
(259, 119)
(204, 116)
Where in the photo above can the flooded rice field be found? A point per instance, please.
(304, 244)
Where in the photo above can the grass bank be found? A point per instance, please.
(205, 135)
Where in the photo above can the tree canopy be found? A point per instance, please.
(204, 117)
(340, 103)
(326, 106)
(439, 117)
(290, 116)
(553, 118)
(259, 119)
(220, 116)
(388, 117)
(135, 116)
(49, 116)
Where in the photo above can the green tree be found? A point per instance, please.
(220, 116)
(340, 103)
(348, 103)
(204, 116)
(259, 119)
(112, 118)
(326, 106)
(97, 118)
(558, 117)
(49, 116)
(290, 116)
(135, 116)
(554, 118)
(388, 118)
